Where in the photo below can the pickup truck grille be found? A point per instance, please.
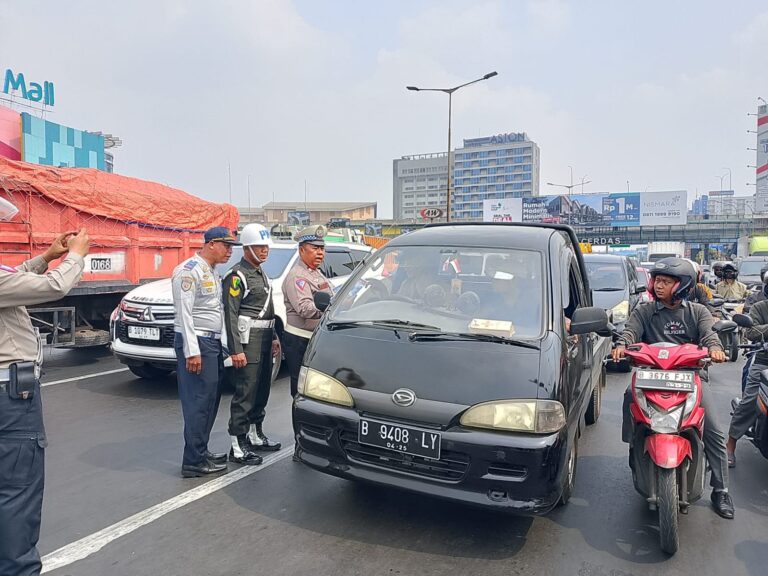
(450, 468)
(166, 335)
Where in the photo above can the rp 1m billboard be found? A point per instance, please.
(608, 209)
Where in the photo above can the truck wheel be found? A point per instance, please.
(593, 410)
(570, 472)
(149, 372)
(668, 506)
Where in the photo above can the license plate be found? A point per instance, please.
(680, 381)
(400, 438)
(144, 332)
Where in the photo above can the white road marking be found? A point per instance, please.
(76, 378)
(91, 544)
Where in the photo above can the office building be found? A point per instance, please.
(419, 182)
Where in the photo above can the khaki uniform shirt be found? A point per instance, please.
(24, 286)
(735, 291)
(299, 289)
(196, 301)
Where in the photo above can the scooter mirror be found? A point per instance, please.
(743, 320)
(724, 326)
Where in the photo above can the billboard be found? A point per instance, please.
(612, 209)
(52, 144)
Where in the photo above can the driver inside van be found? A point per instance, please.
(415, 272)
(513, 295)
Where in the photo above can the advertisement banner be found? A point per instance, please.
(504, 210)
(664, 208)
(622, 209)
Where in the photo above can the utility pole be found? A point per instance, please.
(229, 175)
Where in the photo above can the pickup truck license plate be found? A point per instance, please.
(680, 381)
(144, 332)
(399, 438)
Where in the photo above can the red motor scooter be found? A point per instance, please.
(666, 452)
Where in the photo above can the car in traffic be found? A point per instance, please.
(141, 328)
(644, 279)
(749, 270)
(614, 284)
(459, 361)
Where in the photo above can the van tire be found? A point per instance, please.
(596, 401)
(570, 471)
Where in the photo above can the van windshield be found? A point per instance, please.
(454, 289)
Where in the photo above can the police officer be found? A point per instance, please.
(299, 288)
(198, 322)
(22, 434)
(249, 321)
(671, 318)
(729, 287)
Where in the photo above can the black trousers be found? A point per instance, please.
(22, 476)
(251, 384)
(294, 348)
(200, 395)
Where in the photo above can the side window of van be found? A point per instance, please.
(576, 297)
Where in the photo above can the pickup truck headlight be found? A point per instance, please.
(535, 416)
(319, 386)
(620, 312)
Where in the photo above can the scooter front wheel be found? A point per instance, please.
(668, 506)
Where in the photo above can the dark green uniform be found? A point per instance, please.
(251, 303)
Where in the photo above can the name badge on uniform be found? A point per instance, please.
(208, 287)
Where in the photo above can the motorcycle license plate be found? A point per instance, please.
(399, 438)
(671, 380)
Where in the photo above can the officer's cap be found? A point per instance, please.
(311, 235)
(221, 234)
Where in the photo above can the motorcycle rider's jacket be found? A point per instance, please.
(759, 332)
(753, 299)
(689, 323)
(731, 289)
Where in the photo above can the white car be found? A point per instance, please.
(141, 328)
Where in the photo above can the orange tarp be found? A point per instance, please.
(117, 197)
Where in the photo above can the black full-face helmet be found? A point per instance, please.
(679, 269)
(730, 272)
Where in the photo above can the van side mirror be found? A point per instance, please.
(322, 301)
(586, 320)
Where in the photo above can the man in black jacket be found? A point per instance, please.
(671, 318)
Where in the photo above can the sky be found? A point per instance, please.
(295, 93)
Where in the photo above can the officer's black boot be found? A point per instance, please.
(259, 441)
(241, 452)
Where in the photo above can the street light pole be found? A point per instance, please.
(450, 92)
(730, 184)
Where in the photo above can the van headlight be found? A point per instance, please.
(319, 386)
(620, 312)
(535, 416)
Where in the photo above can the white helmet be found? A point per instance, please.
(255, 235)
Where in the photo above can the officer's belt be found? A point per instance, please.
(298, 332)
(208, 334)
(257, 323)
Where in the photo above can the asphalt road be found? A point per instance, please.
(115, 502)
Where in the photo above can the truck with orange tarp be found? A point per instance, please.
(139, 232)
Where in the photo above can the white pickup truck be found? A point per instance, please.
(141, 327)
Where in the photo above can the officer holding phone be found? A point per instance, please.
(22, 434)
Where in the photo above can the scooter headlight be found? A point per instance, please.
(665, 422)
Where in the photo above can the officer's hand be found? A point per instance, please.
(80, 243)
(58, 248)
(275, 348)
(239, 360)
(717, 356)
(618, 353)
(195, 364)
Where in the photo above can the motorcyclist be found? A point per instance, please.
(745, 411)
(757, 295)
(700, 293)
(671, 318)
(729, 287)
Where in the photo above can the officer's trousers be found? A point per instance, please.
(251, 384)
(294, 348)
(22, 475)
(714, 437)
(745, 413)
(200, 395)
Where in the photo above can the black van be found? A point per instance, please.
(458, 361)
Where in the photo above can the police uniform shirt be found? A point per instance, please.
(299, 288)
(236, 303)
(196, 301)
(24, 286)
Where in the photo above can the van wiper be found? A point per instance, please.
(607, 289)
(448, 336)
(340, 325)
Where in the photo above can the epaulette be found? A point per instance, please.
(190, 265)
